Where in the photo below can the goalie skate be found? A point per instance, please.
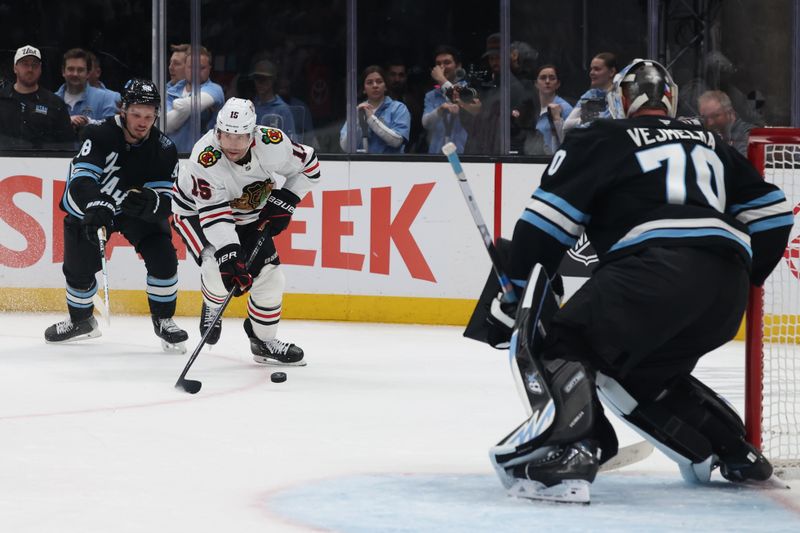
(173, 338)
(569, 491)
(69, 331)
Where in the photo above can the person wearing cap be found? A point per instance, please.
(482, 115)
(179, 102)
(87, 104)
(30, 115)
(271, 109)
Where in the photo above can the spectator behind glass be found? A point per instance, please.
(94, 77)
(303, 123)
(271, 109)
(397, 87)
(552, 113)
(481, 116)
(719, 116)
(383, 123)
(179, 103)
(30, 115)
(177, 63)
(592, 104)
(441, 114)
(86, 104)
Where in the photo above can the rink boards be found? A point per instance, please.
(375, 241)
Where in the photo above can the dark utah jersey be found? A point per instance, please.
(107, 164)
(651, 181)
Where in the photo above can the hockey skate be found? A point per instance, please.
(68, 331)
(173, 338)
(206, 317)
(273, 351)
(564, 474)
(748, 465)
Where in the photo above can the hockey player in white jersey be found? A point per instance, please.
(225, 194)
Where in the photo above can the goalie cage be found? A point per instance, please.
(772, 328)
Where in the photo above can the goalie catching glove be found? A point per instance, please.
(142, 203)
(98, 213)
(279, 210)
(233, 270)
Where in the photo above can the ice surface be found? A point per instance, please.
(386, 429)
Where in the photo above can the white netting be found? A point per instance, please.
(780, 430)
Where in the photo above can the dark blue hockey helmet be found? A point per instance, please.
(140, 91)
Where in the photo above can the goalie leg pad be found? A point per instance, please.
(545, 445)
(692, 426)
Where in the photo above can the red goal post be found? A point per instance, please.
(772, 327)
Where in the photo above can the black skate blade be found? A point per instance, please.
(189, 385)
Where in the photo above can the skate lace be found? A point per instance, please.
(208, 316)
(168, 325)
(277, 346)
(64, 326)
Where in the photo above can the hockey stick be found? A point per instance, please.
(628, 455)
(449, 150)
(193, 386)
(103, 305)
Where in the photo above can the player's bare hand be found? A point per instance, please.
(78, 120)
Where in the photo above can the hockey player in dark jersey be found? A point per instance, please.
(682, 224)
(121, 180)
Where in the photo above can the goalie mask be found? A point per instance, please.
(642, 84)
(237, 116)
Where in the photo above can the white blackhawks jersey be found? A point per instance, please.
(225, 194)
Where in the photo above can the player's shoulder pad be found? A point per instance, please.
(163, 140)
(269, 136)
(206, 156)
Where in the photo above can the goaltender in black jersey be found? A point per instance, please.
(682, 225)
(121, 180)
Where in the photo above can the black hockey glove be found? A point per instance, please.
(98, 213)
(142, 203)
(500, 322)
(279, 210)
(233, 270)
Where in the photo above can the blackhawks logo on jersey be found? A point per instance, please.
(209, 156)
(270, 135)
(253, 195)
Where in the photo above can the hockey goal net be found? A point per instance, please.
(772, 395)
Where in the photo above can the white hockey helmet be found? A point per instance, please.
(237, 116)
(643, 83)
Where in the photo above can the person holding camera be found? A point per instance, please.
(592, 104)
(384, 124)
(443, 103)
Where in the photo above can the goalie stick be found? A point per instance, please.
(449, 150)
(193, 386)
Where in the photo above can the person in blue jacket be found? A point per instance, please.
(383, 124)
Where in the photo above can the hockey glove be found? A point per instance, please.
(500, 322)
(279, 210)
(233, 270)
(142, 203)
(98, 213)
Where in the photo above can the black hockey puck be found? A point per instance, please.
(278, 377)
